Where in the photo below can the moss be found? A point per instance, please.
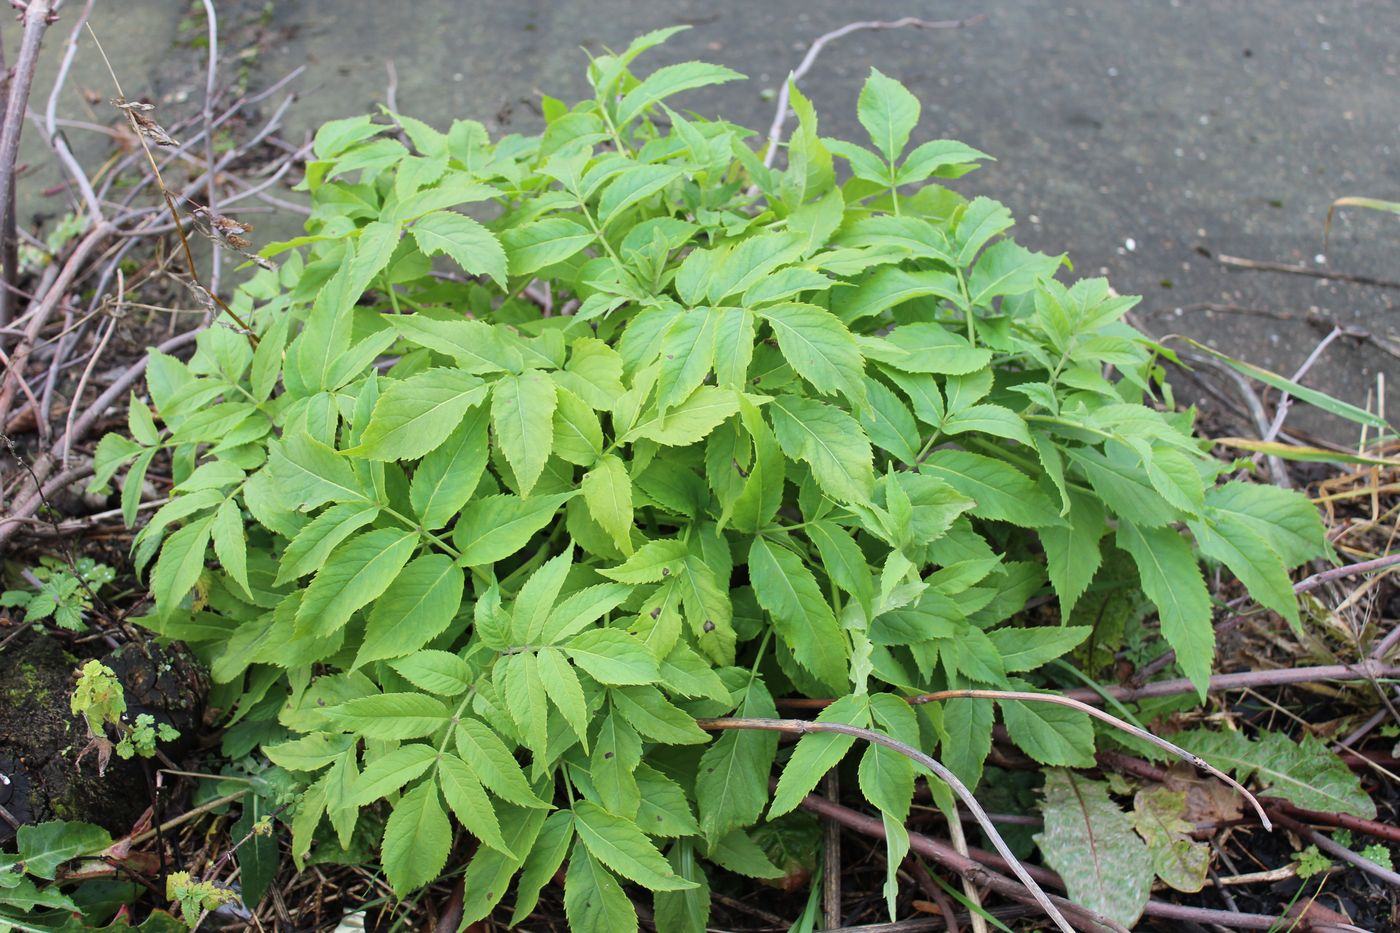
(27, 684)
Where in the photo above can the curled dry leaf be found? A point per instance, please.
(136, 112)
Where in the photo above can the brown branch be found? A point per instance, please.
(803, 727)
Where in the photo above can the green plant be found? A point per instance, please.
(1311, 862)
(98, 697)
(28, 893)
(655, 433)
(64, 592)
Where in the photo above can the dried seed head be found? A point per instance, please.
(136, 112)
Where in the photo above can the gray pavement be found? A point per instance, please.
(1131, 133)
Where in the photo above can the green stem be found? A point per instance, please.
(415, 526)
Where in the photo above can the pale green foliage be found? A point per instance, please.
(65, 592)
(1303, 771)
(817, 440)
(40, 849)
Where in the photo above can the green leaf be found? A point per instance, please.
(593, 900)
(308, 473)
(314, 543)
(43, 847)
(888, 112)
(672, 79)
(801, 616)
(391, 771)
(1001, 491)
(690, 421)
(684, 911)
(613, 657)
(731, 786)
(414, 416)
(828, 440)
(543, 861)
(180, 564)
(438, 672)
(891, 286)
(357, 572)
(495, 527)
(473, 809)
(819, 347)
(418, 606)
(231, 543)
(652, 562)
(562, 687)
(607, 489)
(535, 245)
(417, 838)
(1172, 579)
(446, 478)
(493, 764)
(522, 411)
(1301, 770)
(1091, 843)
(613, 767)
(477, 347)
(1249, 557)
(633, 185)
(818, 752)
(656, 718)
(968, 723)
(1072, 554)
(471, 245)
(390, 715)
(1049, 733)
(1287, 520)
(621, 846)
(1025, 649)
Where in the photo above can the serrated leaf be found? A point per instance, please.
(562, 687)
(314, 543)
(1049, 733)
(672, 79)
(495, 527)
(690, 421)
(414, 416)
(357, 572)
(634, 184)
(415, 609)
(613, 657)
(390, 715)
(654, 717)
(390, 771)
(731, 786)
(1091, 843)
(471, 245)
(43, 847)
(493, 764)
(1001, 491)
(477, 346)
(801, 616)
(309, 473)
(439, 672)
(522, 412)
(888, 112)
(473, 809)
(607, 489)
(593, 900)
(540, 243)
(818, 752)
(819, 347)
(652, 562)
(1025, 649)
(620, 845)
(1303, 771)
(828, 440)
(1172, 579)
(231, 543)
(417, 838)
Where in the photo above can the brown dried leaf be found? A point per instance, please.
(1207, 800)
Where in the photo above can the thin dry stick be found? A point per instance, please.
(55, 138)
(803, 726)
(973, 866)
(959, 840)
(1058, 700)
(211, 191)
(38, 16)
(775, 132)
(1264, 266)
(831, 859)
(170, 199)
